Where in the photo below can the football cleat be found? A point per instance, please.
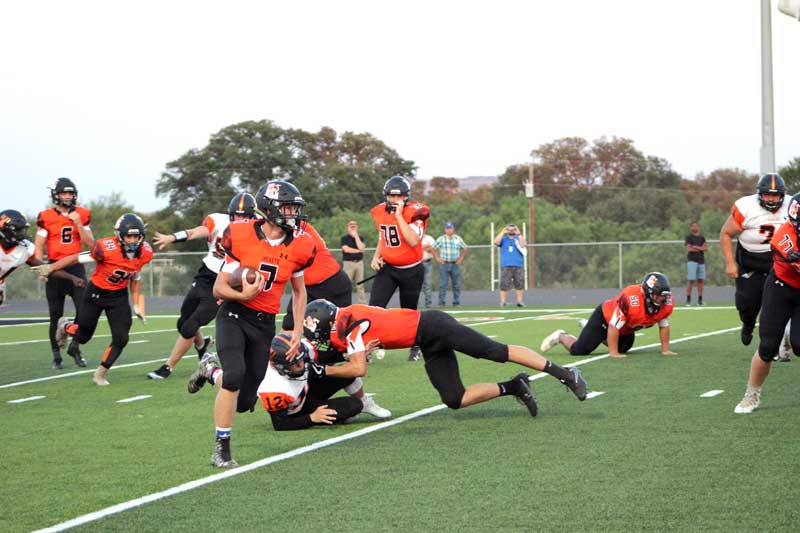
(784, 351)
(582, 322)
(57, 364)
(74, 351)
(61, 331)
(525, 395)
(551, 340)
(372, 408)
(578, 385)
(414, 354)
(99, 376)
(747, 334)
(207, 341)
(221, 456)
(749, 403)
(163, 372)
(203, 373)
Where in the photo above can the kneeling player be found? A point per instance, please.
(119, 262)
(615, 321)
(439, 336)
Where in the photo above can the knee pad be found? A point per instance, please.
(187, 328)
(452, 396)
(232, 380)
(767, 358)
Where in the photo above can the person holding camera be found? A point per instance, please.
(512, 262)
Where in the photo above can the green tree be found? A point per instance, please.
(791, 175)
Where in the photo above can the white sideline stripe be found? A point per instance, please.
(138, 342)
(130, 504)
(93, 336)
(135, 398)
(711, 393)
(28, 399)
(90, 517)
(594, 394)
(78, 373)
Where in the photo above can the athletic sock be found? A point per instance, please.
(509, 388)
(558, 372)
(688, 299)
(700, 300)
(224, 433)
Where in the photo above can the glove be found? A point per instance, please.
(793, 256)
(317, 370)
(42, 270)
(138, 313)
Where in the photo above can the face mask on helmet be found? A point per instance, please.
(656, 291)
(294, 368)
(398, 186)
(242, 205)
(773, 185)
(318, 322)
(13, 226)
(61, 186)
(131, 226)
(281, 204)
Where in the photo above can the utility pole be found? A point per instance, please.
(532, 220)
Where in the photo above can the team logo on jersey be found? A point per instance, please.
(273, 190)
(311, 323)
(634, 300)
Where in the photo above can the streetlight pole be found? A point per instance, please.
(531, 219)
(767, 153)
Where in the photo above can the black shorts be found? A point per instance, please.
(199, 306)
(781, 303)
(337, 289)
(407, 280)
(595, 332)
(118, 311)
(243, 339)
(749, 289)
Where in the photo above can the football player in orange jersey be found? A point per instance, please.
(615, 321)
(199, 306)
(398, 257)
(780, 306)
(119, 262)
(355, 329)
(64, 230)
(245, 322)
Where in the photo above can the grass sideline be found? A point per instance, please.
(649, 453)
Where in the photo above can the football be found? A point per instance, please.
(239, 274)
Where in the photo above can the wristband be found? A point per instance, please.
(180, 236)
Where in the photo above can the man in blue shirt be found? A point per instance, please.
(512, 261)
(449, 251)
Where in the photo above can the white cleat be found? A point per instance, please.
(582, 322)
(61, 331)
(372, 408)
(551, 340)
(99, 377)
(749, 403)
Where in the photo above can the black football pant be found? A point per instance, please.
(337, 289)
(199, 306)
(56, 290)
(408, 280)
(749, 289)
(118, 311)
(243, 339)
(781, 304)
(595, 332)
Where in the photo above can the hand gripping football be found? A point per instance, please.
(238, 275)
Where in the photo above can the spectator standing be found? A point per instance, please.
(450, 250)
(512, 261)
(427, 264)
(353, 258)
(696, 246)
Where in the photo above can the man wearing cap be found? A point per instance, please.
(449, 251)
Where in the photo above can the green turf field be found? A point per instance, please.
(649, 453)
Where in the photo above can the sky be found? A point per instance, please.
(107, 93)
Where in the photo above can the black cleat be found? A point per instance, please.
(74, 351)
(204, 348)
(747, 334)
(221, 456)
(57, 364)
(163, 372)
(578, 385)
(414, 354)
(525, 395)
(203, 373)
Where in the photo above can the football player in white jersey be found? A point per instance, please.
(16, 250)
(753, 219)
(199, 305)
(297, 392)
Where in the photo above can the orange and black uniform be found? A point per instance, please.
(245, 329)
(438, 335)
(781, 298)
(627, 312)
(108, 291)
(402, 262)
(324, 278)
(62, 239)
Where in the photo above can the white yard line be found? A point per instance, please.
(594, 394)
(28, 399)
(16, 343)
(135, 398)
(185, 487)
(711, 393)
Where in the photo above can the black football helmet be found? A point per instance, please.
(275, 194)
(13, 226)
(130, 224)
(277, 356)
(794, 212)
(64, 185)
(770, 184)
(396, 185)
(243, 205)
(654, 283)
(318, 321)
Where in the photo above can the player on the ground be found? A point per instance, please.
(780, 306)
(16, 250)
(63, 230)
(199, 306)
(119, 261)
(615, 321)
(398, 256)
(245, 323)
(753, 220)
(357, 328)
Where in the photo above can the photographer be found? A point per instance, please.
(512, 262)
